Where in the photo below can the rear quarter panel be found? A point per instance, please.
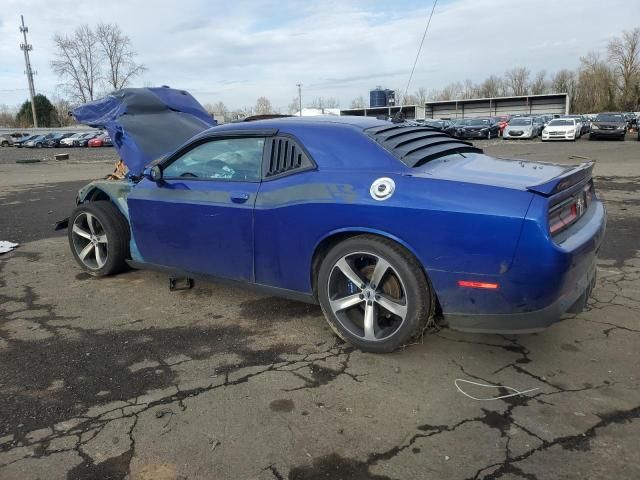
(449, 226)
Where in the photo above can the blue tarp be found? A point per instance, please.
(145, 123)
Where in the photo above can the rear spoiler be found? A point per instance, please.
(566, 180)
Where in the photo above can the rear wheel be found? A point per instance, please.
(99, 238)
(5, 143)
(374, 293)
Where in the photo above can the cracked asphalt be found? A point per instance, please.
(117, 378)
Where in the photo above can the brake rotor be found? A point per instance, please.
(390, 284)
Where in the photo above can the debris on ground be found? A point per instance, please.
(6, 246)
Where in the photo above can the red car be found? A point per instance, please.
(502, 121)
(100, 141)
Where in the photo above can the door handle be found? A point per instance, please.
(239, 197)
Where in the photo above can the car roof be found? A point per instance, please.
(286, 123)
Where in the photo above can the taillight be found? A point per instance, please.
(568, 212)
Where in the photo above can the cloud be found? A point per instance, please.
(238, 51)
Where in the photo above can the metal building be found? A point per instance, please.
(555, 103)
(410, 112)
(381, 97)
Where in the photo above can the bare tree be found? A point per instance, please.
(469, 90)
(218, 111)
(595, 88)
(62, 109)
(421, 96)
(263, 106)
(294, 106)
(539, 83)
(624, 55)
(77, 62)
(491, 87)
(453, 91)
(358, 102)
(322, 103)
(517, 81)
(7, 116)
(118, 55)
(409, 99)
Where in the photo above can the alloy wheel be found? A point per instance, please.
(367, 296)
(90, 241)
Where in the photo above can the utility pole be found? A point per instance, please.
(26, 47)
(299, 85)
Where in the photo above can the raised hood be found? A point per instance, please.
(540, 177)
(145, 123)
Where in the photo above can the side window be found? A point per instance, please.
(227, 159)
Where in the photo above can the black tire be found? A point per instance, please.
(116, 229)
(419, 295)
(622, 138)
(5, 143)
(38, 145)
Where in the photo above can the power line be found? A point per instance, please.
(424, 35)
(26, 48)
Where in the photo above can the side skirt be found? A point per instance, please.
(257, 287)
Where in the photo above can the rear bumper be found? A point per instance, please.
(529, 322)
(541, 287)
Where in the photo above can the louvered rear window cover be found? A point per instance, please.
(284, 155)
(414, 145)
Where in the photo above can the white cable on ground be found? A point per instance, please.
(515, 391)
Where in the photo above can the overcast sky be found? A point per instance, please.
(237, 51)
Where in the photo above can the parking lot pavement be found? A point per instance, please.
(119, 378)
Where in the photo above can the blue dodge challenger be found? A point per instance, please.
(385, 225)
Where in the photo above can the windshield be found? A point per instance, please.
(477, 122)
(434, 123)
(609, 117)
(561, 123)
(520, 122)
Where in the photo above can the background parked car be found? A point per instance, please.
(437, 124)
(71, 140)
(502, 121)
(478, 128)
(37, 142)
(84, 140)
(55, 140)
(609, 125)
(521, 127)
(539, 123)
(560, 129)
(582, 124)
(20, 143)
(6, 140)
(103, 140)
(453, 126)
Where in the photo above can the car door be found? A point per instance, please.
(199, 216)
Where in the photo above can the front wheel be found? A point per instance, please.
(374, 293)
(99, 238)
